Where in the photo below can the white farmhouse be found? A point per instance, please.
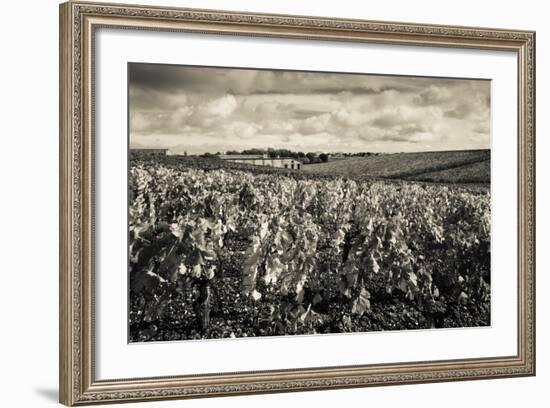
(263, 160)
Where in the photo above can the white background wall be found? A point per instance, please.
(28, 202)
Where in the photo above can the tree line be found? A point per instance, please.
(304, 157)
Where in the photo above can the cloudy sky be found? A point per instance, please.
(198, 109)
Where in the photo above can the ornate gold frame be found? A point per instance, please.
(78, 21)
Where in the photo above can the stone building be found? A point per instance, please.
(263, 160)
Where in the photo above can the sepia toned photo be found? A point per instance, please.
(275, 202)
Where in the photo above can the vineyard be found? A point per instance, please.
(222, 253)
(454, 166)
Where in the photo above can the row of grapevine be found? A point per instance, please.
(304, 239)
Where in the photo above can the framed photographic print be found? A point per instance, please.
(262, 203)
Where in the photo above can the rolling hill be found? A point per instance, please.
(460, 166)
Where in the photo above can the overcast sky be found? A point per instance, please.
(197, 109)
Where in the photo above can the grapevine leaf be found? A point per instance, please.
(362, 303)
(196, 271)
(373, 264)
(250, 266)
(256, 295)
(210, 272)
(273, 270)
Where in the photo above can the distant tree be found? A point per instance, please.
(304, 160)
(312, 157)
(281, 153)
(323, 157)
(254, 151)
(285, 153)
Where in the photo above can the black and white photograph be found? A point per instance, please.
(277, 202)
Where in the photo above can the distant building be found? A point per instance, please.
(148, 152)
(263, 160)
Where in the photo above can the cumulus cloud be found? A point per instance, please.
(200, 109)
